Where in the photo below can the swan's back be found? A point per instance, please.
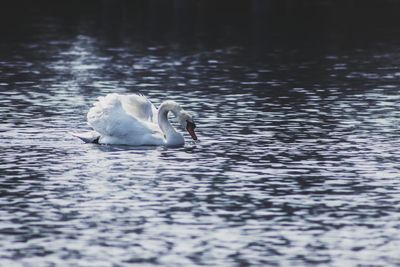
(122, 116)
(139, 106)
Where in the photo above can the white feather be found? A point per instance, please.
(133, 120)
(123, 119)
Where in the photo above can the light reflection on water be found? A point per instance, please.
(297, 162)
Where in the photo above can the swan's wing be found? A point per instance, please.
(109, 118)
(139, 107)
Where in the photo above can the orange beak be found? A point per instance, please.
(190, 128)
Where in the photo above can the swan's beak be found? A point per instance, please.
(190, 126)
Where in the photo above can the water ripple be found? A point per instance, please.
(297, 162)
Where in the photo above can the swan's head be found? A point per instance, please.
(187, 123)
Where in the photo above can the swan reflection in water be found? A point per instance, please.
(133, 120)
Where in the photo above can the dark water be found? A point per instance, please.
(297, 162)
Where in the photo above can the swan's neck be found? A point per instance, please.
(173, 138)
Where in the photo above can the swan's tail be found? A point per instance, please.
(88, 137)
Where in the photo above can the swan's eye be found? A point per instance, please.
(190, 124)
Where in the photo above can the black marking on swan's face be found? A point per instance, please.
(190, 126)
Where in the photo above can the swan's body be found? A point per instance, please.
(133, 120)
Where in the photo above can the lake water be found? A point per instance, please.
(297, 162)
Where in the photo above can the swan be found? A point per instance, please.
(133, 120)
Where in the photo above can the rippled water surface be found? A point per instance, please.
(297, 163)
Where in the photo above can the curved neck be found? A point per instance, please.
(173, 138)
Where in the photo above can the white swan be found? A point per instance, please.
(134, 120)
